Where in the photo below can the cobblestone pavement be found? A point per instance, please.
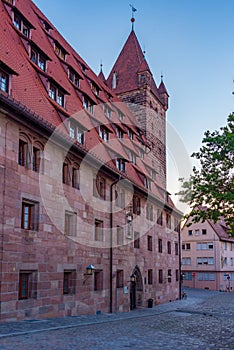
(204, 321)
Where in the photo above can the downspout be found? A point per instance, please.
(111, 244)
(180, 272)
(3, 215)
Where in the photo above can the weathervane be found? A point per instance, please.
(132, 19)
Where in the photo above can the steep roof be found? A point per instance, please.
(129, 63)
(30, 85)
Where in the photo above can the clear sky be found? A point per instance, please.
(190, 42)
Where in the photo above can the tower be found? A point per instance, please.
(132, 80)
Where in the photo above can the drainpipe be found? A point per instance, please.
(180, 272)
(111, 243)
(3, 212)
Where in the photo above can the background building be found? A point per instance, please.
(207, 256)
(87, 224)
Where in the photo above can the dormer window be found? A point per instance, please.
(95, 89)
(4, 81)
(21, 25)
(121, 116)
(103, 133)
(120, 164)
(74, 77)
(88, 105)
(147, 183)
(107, 111)
(59, 51)
(119, 133)
(12, 2)
(114, 80)
(132, 157)
(130, 134)
(38, 59)
(57, 94)
(76, 132)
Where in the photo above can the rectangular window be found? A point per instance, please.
(98, 280)
(169, 276)
(187, 276)
(98, 230)
(160, 276)
(160, 245)
(168, 220)
(74, 77)
(88, 105)
(190, 232)
(136, 205)
(206, 276)
(27, 284)
(104, 134)
(149, 212)
(186, 261)
(159, 217)
(36, 159)
(4, 81)
(77, 133)
(150, 243)
(119, 279)
(168, 247)
(120, 197)
(107, 111)
(120, 164)
(75, 177)
(176, 248)
(21, 25)
(197, 232)
(57, 95)
(30, 215)
(120, 236)
(60, 51)
(204, 231)
(23, 153)
(70, 223)
(136, 240)
(66, 174)
(69, 282)
(150, 276)
(38, 58)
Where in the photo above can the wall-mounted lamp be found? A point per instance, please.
(89, 271)
(129, 217)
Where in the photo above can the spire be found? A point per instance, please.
(101, 75)
(128, 66)
(133, 18)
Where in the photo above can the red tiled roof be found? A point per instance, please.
(30, 85)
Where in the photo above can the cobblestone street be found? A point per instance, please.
(205, 320)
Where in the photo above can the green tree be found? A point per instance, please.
(213, 184)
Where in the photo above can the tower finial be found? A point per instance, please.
(101, 65)
(132, 19)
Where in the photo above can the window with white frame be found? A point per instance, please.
(205, 246)
(206, 276)
(56, 94)
(88, 105)
(74, 77)
(30, 215)
(59, 50)
(205, 261)
(186, 261)
(120, 164)
(197, 232)
(77, 132)
(21, 24)
(4, 81)
(107, 111)
(38, 58)
(186, 246)
(104, 133)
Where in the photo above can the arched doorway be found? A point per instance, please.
(136, 289)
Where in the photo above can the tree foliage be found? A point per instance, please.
(213, 184)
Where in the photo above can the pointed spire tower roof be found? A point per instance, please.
(101, 75)
(127, 65)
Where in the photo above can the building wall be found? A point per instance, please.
(207, 275)
(47, 252)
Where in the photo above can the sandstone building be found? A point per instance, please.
(87, 224)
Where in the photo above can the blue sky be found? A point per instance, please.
(190, 42)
